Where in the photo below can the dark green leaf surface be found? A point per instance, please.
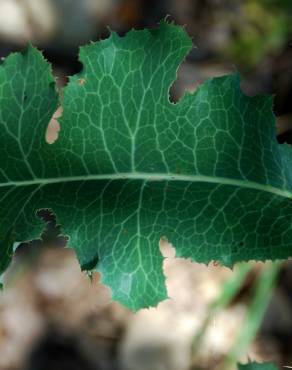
(257, 366)
(130, 167)
(6, 252)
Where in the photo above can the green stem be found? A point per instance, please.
(262, 293)
(229, 290)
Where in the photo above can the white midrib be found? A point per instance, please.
(144, 176)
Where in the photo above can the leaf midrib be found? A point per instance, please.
(154, 177)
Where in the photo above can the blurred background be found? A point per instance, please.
(52, 316)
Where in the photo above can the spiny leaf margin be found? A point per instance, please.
(123, 173)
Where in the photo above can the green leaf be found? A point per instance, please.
(130, 167)
(257, 366)
(6, 252)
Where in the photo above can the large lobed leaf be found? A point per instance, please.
(130, 167)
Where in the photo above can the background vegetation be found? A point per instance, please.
(51, 315)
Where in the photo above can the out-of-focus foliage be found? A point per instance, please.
(261, 28)
(257, 366)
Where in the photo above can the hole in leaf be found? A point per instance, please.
(166, 249)
(53, 129)
(52, 233)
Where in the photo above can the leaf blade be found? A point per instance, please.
(130, 167)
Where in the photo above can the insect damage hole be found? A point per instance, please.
(53, 128)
